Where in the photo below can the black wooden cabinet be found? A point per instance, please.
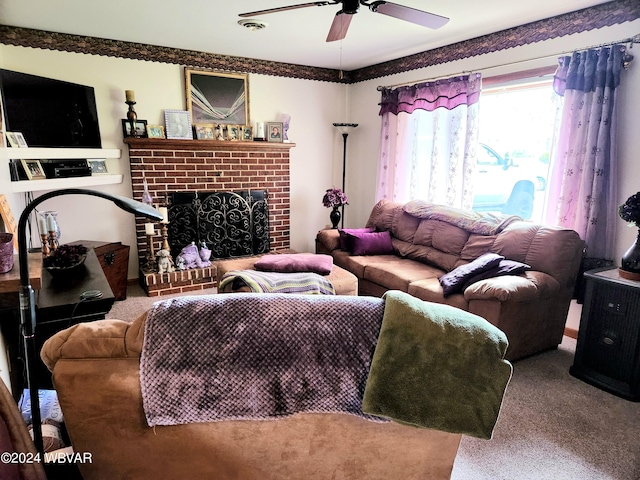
(608, 348)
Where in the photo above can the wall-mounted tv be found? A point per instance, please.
(49, 113)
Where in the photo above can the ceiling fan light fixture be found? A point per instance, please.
(252, 24)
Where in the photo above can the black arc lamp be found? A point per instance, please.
(26, 295)
(344, 129)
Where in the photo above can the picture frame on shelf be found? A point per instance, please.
(274, 132)
(178, 125)
(216, 97)
(98, 167)
(12, 139)
(233, 133)
(8, 220)
(155, 131)
(139, 125)
(22, 143)
(220, 132)
(33, 169)
(247, 133)
(205, 131)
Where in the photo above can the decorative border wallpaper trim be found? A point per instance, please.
(607, 14)
(603, 15)
(26, 37)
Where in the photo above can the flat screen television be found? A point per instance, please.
(49, 113)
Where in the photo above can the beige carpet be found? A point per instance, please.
(552, 425)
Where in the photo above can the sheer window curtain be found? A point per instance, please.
(428, 141)
(582, 186)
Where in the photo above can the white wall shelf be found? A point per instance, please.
(36, 153)
(58, 153)
(58, 183)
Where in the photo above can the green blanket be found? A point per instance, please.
(438, 367)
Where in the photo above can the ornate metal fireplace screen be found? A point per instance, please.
(232, 224)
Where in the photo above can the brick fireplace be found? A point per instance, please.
(171, 166)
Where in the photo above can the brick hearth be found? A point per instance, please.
(207, 165)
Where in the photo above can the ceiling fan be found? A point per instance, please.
(342, 19)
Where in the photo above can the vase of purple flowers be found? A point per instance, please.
(629, 211)
(334, 198)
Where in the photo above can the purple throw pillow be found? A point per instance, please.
(505, 267)
(296, 262)
(344, 235)
(453, 281)
(370, 243)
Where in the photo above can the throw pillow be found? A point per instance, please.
(453, 281)
(505, 267)
(370, 243)
(296, 262)
(344, 233)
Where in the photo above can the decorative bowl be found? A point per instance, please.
(65, 260)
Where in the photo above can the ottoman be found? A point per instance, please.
(344, 282)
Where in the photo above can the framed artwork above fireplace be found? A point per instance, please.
(215, 97)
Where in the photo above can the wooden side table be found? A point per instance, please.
(608, 349)
(59, 304)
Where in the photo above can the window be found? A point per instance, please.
(517, 122)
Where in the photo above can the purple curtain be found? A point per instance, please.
(449, 93)
(582, 188)
(428, 141)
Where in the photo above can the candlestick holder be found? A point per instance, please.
(165, 235)
(151, 257)
(45, 245)
(132, 116)
(53, 243)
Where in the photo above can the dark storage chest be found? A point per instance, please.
(114, 259)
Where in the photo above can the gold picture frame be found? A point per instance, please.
(10, 224)
(155, 131)
(220, 132)
(247, 133)
(205, 131)
(216, 97)
(233, 133)
(33, 169)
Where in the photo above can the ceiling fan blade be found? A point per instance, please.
(339, 26)
(426, 19)
(283, 9)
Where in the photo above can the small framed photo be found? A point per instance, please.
(220, 132)
(274, 131)
(16, 140)
(233, 133)
(178, 124)
(247, 133)
(33, 169)
(205, 131)
(98, 167)
(155, 131)
(139, 125)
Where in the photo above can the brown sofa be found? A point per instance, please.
(429, 241)
(96, 372)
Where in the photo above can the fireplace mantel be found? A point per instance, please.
(206, 145)
(170, 166)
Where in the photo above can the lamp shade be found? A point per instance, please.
(345, 127)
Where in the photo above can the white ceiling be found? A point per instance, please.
(295, 36)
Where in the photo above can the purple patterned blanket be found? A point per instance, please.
(254, 356)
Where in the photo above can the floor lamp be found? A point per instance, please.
(344, 129)
(26, 296)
